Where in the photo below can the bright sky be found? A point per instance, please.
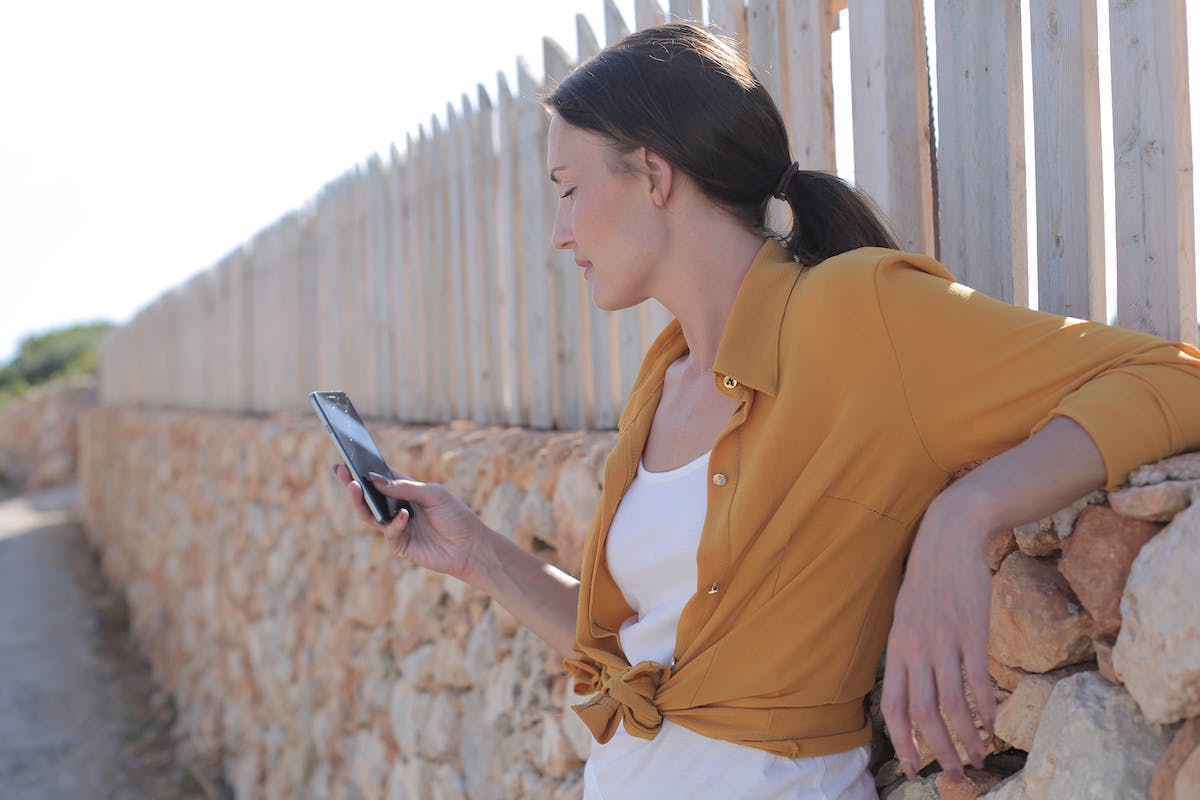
(142, 141)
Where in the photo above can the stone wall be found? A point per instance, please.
(39, 432)
(317, 666)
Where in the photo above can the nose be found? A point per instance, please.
(562, 237)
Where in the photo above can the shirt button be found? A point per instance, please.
(719, 479)
(730, 383)
(714, 589)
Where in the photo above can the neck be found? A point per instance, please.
(703, 281)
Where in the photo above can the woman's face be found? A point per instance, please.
(605, 215)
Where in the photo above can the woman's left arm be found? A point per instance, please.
(940, 628)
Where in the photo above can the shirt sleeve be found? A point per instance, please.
(980, 375)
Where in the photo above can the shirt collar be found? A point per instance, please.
(749, 348)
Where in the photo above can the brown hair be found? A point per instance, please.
(688, 95)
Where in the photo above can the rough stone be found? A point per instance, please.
(1037, 623)
(1104, 648)
(999, 545)
(974, 783)
(1017, 717)
(1157, 654)
(1032, 540)
(1183, 467)
(1012, 788)
(1159, 502)
(1184, 743)
(1187, 780)
(1093, 743)
(1005, 676)
(920, 789)
(1096, 561)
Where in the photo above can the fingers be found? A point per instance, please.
(894, 705)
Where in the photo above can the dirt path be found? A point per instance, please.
(80, 715)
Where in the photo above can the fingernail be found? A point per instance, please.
(375, 476)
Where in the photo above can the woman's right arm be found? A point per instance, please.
(447, 537)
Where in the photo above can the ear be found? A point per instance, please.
(660, 174)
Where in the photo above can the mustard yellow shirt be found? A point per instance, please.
(862, 384)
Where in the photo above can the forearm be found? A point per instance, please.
(1048, 471)
(541, 596)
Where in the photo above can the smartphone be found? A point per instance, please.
(358, 450)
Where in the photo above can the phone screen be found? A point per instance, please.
(358, 450)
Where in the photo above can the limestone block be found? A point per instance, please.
(1017, 717)
(556, 757)
(408, 711)
(1104, 648)
(1159, 502)
(1032, 540)
(367, 763)
(536, 529)
(1096, 561)
(1093, 743)
(920, 789)
(1005, 676)
(974, 783)
(438, 732)
(1183, 745)
(419, 780)
(999, 545)
(501, 509)
(1183, 467)
(1036, 622)
(1012, 788)
(577, 734)
(1157, 654)
(1187, 780)
(576, 496)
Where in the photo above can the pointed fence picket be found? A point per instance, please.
(427, 285)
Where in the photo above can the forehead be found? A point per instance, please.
(569, 147)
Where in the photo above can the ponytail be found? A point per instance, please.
(828, 216)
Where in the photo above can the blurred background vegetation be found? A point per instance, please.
(48, 356)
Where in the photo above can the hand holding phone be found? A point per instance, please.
(358, 450)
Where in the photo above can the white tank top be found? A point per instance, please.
(651, 553)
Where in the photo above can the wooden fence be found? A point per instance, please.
(425, 285)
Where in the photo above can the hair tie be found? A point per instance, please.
(784, 180)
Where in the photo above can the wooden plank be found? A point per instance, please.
(455, 307)
(615, 28)
(607, 331)
(586, 43)
(535, 235)
(572, 362)
(981, 148)
(400, 374)
(805, 63)
(762, 35)
(420, 294)
(377, 285)
(647, 13)
(307, 333)
(1156, 258)
(889, 80)
(440, 403)
(729, 17)
(482, 285)
(514, 378)
(466, 298)
(686, 11)
(1070, 189)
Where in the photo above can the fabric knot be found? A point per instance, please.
(626, 695)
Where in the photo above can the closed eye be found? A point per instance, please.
(568, 192)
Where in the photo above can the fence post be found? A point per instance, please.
(981, 153)
(1070, 189)
(1156, 258)
(889, 78)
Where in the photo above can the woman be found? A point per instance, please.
(786, 446)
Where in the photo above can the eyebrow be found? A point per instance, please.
(556, 169)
